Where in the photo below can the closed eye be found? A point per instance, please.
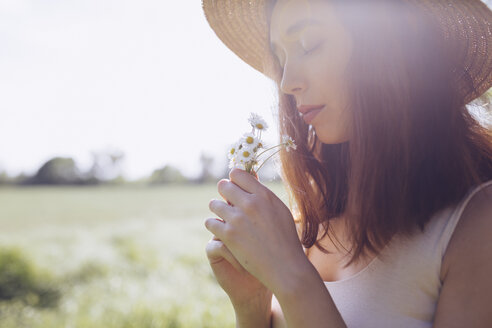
(307, 52)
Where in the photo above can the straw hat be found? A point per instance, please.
(242, 26)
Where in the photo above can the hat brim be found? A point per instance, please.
(243, 27)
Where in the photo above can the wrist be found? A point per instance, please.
(257, 304)
(261, 300)
(294, 281)
(254, 316)
(305, 298)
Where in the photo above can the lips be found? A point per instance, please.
(304, 109)
(309, 112)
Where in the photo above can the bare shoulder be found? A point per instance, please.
(466, 293)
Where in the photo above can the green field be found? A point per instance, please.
(109, 257)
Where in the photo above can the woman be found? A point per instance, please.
(392, 177)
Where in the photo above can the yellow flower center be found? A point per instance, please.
(259, 126)
(246, 154)
(250, 140)
(233, 150)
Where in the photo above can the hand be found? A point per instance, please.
(243, 289)
(259, 230)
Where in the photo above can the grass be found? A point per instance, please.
(116, 256)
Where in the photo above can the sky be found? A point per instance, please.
(148, 78)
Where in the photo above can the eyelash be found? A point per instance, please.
(307, 52)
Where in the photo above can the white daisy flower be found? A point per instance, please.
(245, 155)
(288, 142)
(232, 153)
(257, 122)
(249, 140)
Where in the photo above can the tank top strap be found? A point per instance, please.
(456, 215)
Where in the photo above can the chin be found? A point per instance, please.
(333, 142)
(332, 130)
(332, 136)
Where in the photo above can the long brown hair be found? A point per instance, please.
(414, 148)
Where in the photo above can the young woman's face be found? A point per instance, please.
(313, 48)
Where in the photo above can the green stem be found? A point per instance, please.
(248, 167)
(266, 160)
(280, 145)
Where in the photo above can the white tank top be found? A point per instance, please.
(400, 287)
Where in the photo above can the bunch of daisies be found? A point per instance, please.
(246, 152)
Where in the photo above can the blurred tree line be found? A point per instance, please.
(106, 170)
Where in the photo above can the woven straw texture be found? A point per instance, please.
(242, 26)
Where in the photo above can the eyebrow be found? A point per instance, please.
(301, 24)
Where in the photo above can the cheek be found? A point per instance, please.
(332, 60)
(333, 66)
(329, 88)
(334, 122)
(337, 117)
(333, 127)
(326, 74)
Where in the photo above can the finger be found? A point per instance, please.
(215, 226)
(220, 208)
(217, 251)
(255, 175)
(245, 180)
(231, 192)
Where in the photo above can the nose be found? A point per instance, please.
(293, 82)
